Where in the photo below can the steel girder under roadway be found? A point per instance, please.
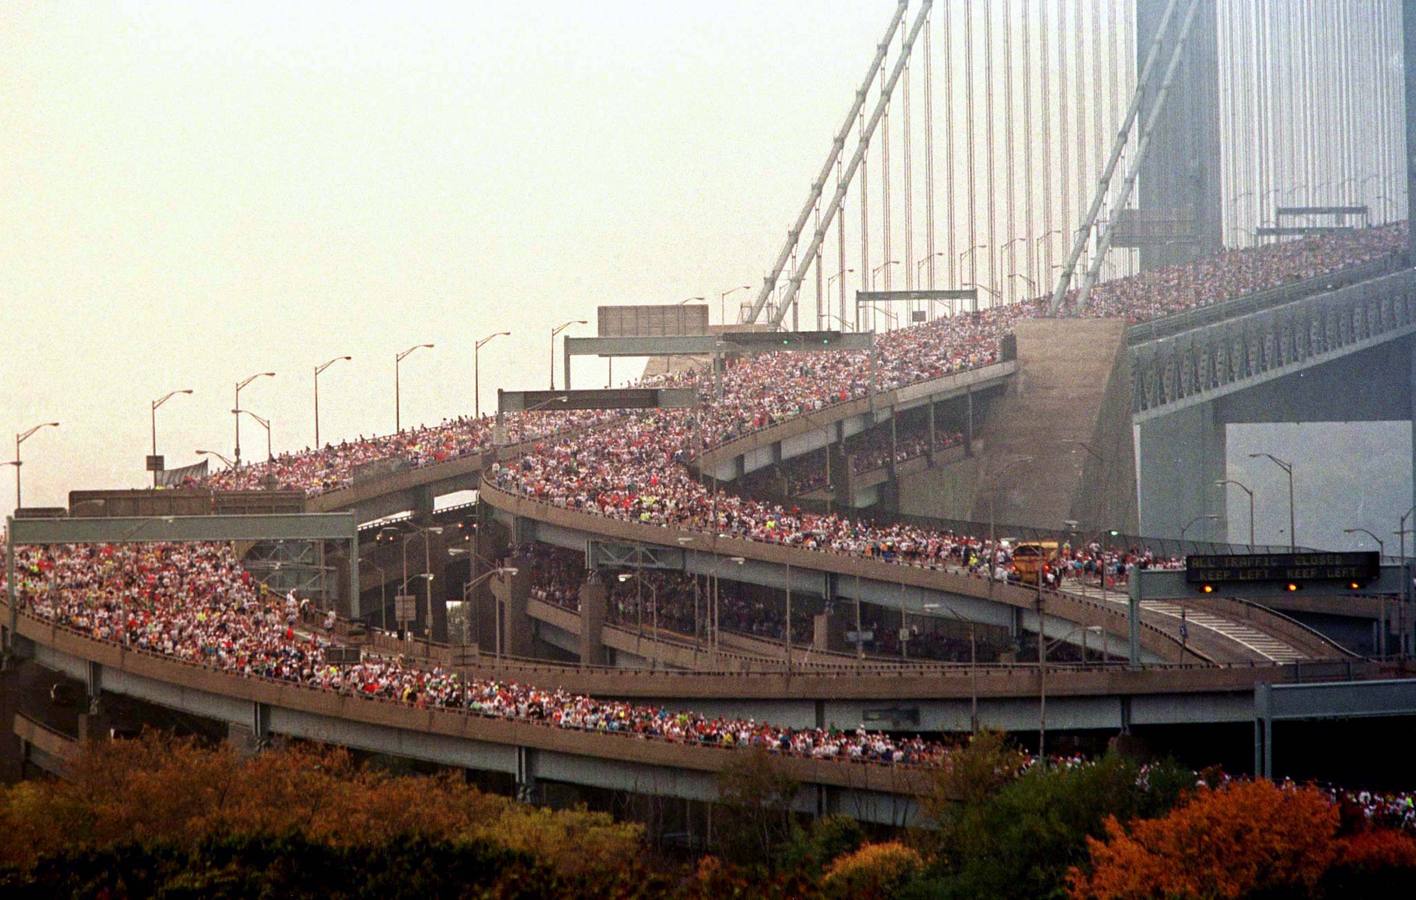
(1224, 357)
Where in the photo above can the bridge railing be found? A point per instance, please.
(1168, 326)
(466, 710)
(1262, 344)
(941, 577)
(801, 422)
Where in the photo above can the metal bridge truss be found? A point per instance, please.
(300, 566)
(1195, 367)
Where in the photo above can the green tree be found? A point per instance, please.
(756, 797)
(1017, 836)
(811, 849)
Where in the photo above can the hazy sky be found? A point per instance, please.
(195, 192)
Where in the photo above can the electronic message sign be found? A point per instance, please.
(1285, 568)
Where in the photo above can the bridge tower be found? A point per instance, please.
(1182, 168)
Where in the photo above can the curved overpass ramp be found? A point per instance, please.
(837, 577)
(526, 750)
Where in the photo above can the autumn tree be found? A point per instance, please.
(873, 872)
(1378, 862)
(1236, 840)
(175, 793)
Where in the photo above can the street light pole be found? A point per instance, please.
(397, 393)
(555, 331)
(424, 531)
(830, 279)
(236, 411)
(229, 463)
(1032, 285)
(1245, 489)
(155, 404)
(992, 498)
(318, 370)
(20, 438)
(1210, 516)
(723, 302)
(874, 272)
(477, 370)
(1381, 545)
(264, 423)
(1287, 467)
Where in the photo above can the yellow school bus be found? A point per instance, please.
(1031, 558)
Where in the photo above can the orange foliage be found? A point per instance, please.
(156, 790)
(875, 870)
(1378, 849)
(1227, 842)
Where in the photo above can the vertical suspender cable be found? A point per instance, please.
(1104, 242)
(950, 212)
(1028, 175)
(885, 246)
(769, 282)
(989, 158)
(1010, 202)
(909, 187)
(968, 117)
(1094, 163)
(1262, 62)
(855, 160)
(1122, 136)
(819, 316)
(1064, 168)
(841, 249)
(928, 161)
(1045, 126)
(1225, 43)
(1078, 100)
(862, 146)
(1113, 89)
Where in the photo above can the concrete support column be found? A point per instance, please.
(1182, 455)
(93, 685)
(840, 473)
(525, 775)
(594, 603)
(968, 423)
(422, 502)
(894, 441)
(829, 630)
(512, 592)
(250, 737)
(1263, 731)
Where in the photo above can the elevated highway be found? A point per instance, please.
(955, 698)
(838, 579)
(1370, 306)
(528, 751)
(961, 397)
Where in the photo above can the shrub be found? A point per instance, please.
(875, 870)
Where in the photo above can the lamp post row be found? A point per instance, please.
(236, 410)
